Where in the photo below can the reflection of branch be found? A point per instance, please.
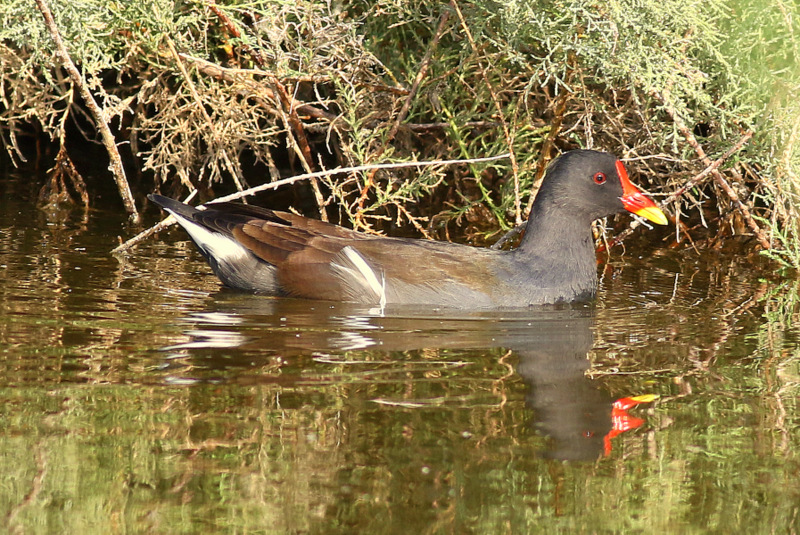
(699, 354)
(56, 187)
(36, 487)
(101, 124)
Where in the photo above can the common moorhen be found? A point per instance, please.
(284, 254)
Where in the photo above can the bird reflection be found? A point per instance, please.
(552, 345)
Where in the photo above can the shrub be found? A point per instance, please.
(222, 94)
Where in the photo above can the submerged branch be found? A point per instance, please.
(166, 222)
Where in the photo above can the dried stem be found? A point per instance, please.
(288, 113)
(718, 178)
(500, 115)
(108, 138)
(243, 77)
(237, 178)
(690, 184)
(555, 127)
(701, 176)
(401, 116)
(166, 222)
(421, 74)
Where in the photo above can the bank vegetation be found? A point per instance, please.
(699, 98)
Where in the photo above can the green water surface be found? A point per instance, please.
(136, 396)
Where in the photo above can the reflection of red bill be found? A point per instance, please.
(621, 421)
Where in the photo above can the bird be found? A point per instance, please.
(283, 254)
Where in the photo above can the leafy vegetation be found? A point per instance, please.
(239, 93)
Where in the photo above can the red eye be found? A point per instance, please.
(599, 178)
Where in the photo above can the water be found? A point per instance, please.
(136, 395)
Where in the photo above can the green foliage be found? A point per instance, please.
(645, 46)
(505, 76)
(762, 45)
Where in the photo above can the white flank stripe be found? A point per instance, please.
(366, 272)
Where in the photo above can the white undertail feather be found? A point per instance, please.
(217, 245)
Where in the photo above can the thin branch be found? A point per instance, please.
(559, 111)
(718, 178)
(294, 126)
(167, 222)
(421, 74)
(108, 138)
(278, 183)
(690, 184)
(499, 109)
(401, 116)
(238, 180)
(701, 176)
(244, 78)
(356, 169)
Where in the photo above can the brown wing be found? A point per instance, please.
(303, 250)
(376, 270)
(320, 260)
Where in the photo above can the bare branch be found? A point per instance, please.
(108, 138)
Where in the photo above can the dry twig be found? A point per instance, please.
(238, 179)
(243, 77)
(161, 225)
(718, 178)
(690, 184)
(108, 138)
(559, 110)
(294, 126)
(423, 71)
(499, 108)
